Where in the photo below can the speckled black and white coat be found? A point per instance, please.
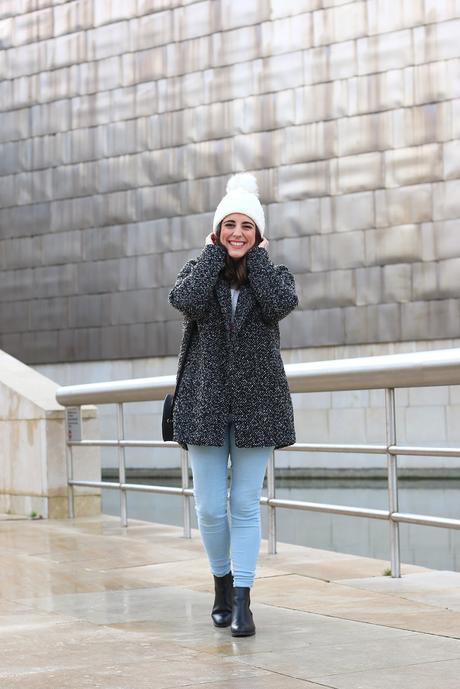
(233, 368)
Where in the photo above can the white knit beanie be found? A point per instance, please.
(241, 197)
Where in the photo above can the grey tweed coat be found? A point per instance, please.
(233, 368)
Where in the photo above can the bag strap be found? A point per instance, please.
(183, 362)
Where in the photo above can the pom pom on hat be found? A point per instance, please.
(242, 197)
(244, 181)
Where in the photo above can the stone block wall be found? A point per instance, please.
(33, 464)
(120, 123)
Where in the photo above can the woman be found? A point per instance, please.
(233, 396)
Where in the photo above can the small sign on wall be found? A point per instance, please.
(73, 423)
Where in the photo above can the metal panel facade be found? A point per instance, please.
(120, 124)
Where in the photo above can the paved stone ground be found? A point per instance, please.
(87, 604)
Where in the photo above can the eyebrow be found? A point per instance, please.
(245, 222)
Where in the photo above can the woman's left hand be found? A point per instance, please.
(264, 243)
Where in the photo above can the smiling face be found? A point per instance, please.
(237, 234)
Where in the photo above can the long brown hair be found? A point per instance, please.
(235, 270)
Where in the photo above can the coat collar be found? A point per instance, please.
(243, 305)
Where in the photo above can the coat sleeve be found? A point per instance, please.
(194, 284)
(273, 286)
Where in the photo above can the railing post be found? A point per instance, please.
(392, 465)
(70, 488)
(271, 509)
(73, 432)
(185, 498)
(121, 464)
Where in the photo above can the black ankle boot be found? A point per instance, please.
(222, 610)
(242, 622)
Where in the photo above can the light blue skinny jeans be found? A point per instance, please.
(235, 546)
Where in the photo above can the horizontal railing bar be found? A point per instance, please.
(140, 487)
(167, 490)
(93, 443)
(123, 443)
(297, 447)
(301, 447)
(345, 510)
(411, 369)
(425, 520)
(424, 451)
(115, 391)
(323, 507)
(274, 502)
(334, 447)
(94, 484)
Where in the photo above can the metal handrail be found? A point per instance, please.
(413, 369)
(417, 369)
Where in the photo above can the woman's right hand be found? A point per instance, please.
(211, 238)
